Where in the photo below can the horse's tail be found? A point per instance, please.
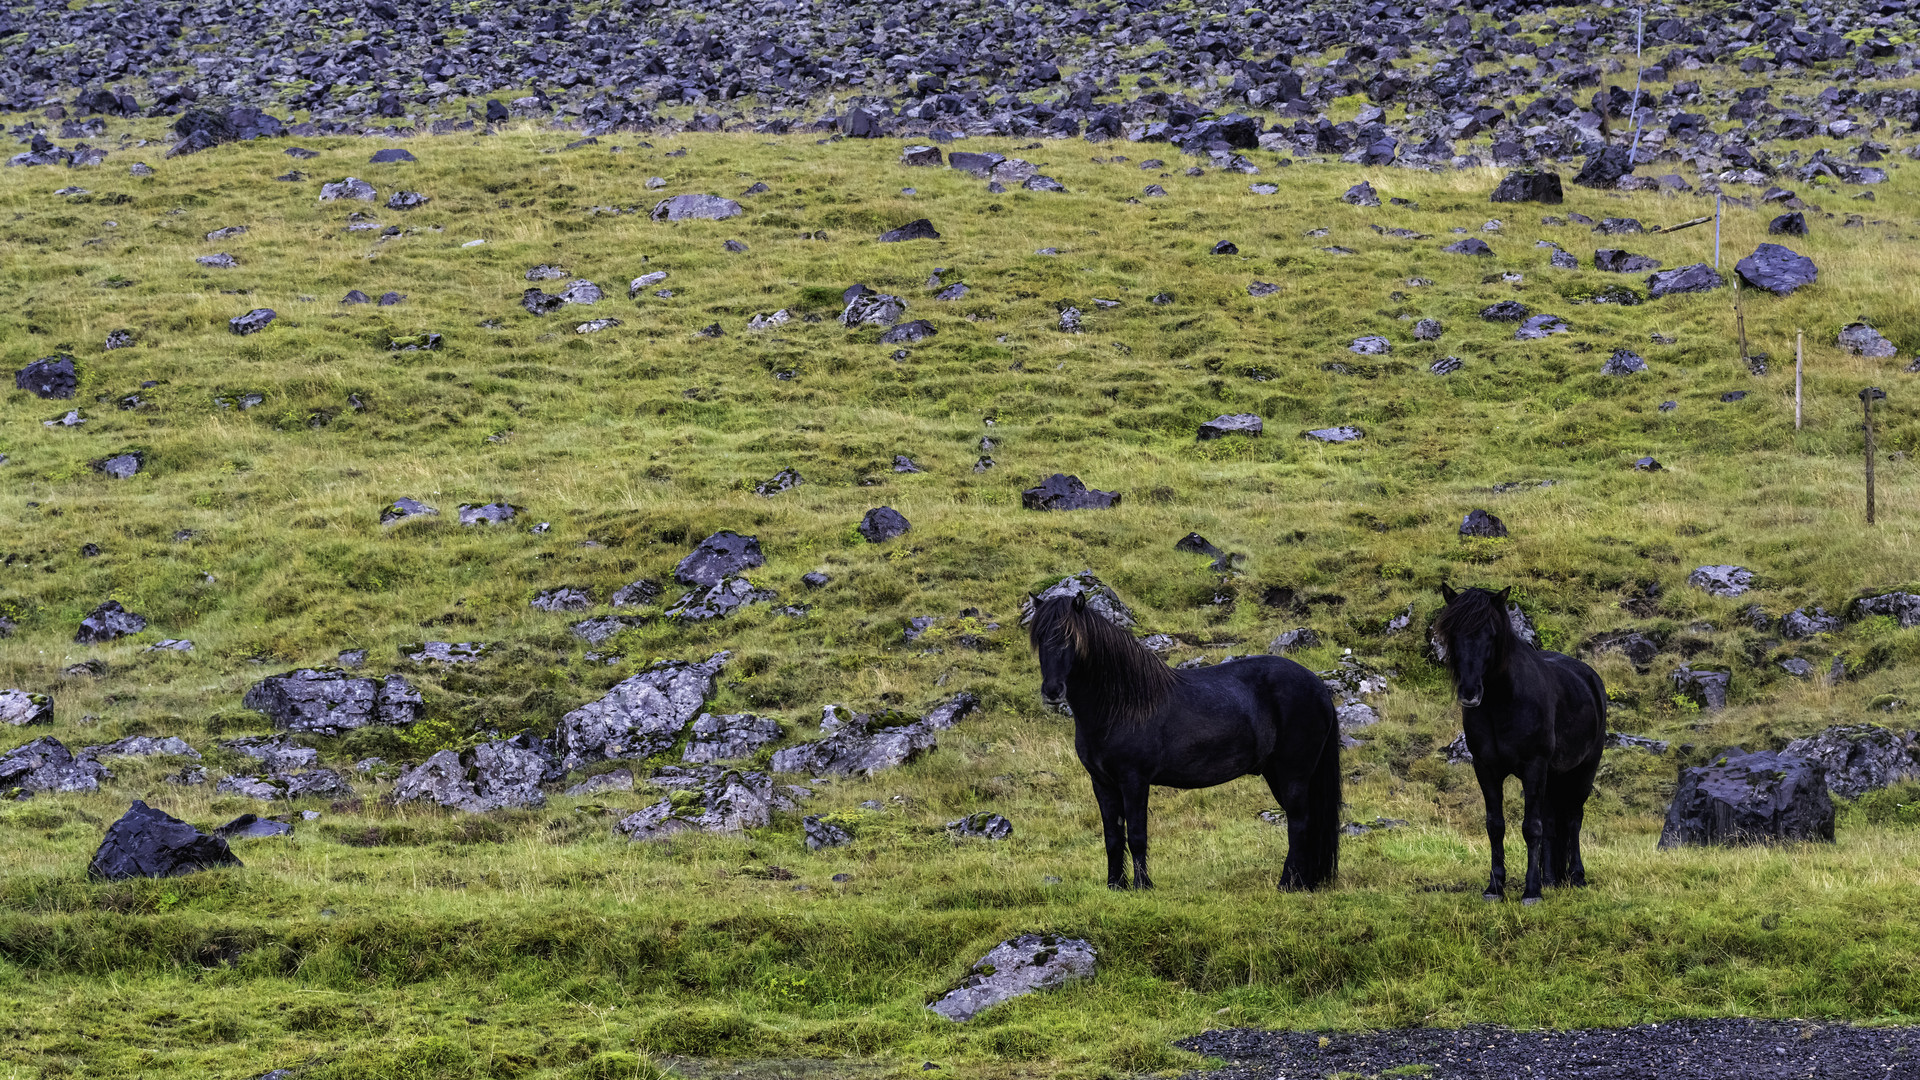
(1322, 860)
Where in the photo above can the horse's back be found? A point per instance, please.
(1272, 676)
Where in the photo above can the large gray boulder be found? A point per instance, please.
(695, 207)
(1015, 968)
(45, 764)
(107, 622)
(151, 843)
(1860, 758)
(20, 708)
(857, 744)
(492, 776)
(1748, 799)
(640, 716)
(328, 701)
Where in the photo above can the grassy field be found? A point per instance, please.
(397, 942)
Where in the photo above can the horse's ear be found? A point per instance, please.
(1447, 593)
(1503, 594)
(1079, 601)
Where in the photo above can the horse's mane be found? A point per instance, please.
(1472, 611)
(1133, 681)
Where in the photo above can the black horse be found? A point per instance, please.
(1138, 722)
(1531, 713)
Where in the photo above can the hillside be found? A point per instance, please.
(407, 940)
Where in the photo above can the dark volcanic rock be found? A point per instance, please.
(1788, 224)
(150, 843)
(1750, 798)
(728, 737)
(1863, 340)
(983, 826)
(1706, 687)
(1540, 187)
(1859, 758)
(1505, 311)
(1361, 194)
(327, 701)
(1623, 362)
(722, 555)
(391, 155)
(1540, 326)
(1721, 580)
(720, 601)
(1472, 245)
(1776, 269)
(20, 708)
(497, 513)
(1696, 277)
(252, 322)
(1616, 261)
(912, 230)
(1605, 167)
(1902, 607)
(1798, 625)
(492, 776)
(1062, 492)
(50, 377)
(908, 332)
(1479, 523)
(858, 744)
(108, 621)
(1101, 599)
(883, 523)
(46, 765)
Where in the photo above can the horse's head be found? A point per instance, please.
(1056, 640)
(1472, 630)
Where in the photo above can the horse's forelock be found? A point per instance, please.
(1139, 679)
(1473, 611)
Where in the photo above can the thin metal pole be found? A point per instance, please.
(1718, 201)
(1639, 35)
(1799, 359)
(1740, 318)
(1867, 397)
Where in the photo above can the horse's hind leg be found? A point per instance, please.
(1113, 824)
(1292, 793)
(1574, 791)
(1133, 792)
(1492, 794)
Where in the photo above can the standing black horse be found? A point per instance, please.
(1531, 713)
(1138, 722)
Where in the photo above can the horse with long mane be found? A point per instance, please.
(1138, 722)
(1528, 712)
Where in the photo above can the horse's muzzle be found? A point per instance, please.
(1470, 703)
(1058, 705)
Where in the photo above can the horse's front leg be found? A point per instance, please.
(1533, 826)
(1492, 792)
(1134, 793)
(1113, 823)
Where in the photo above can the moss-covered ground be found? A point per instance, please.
(400, 942)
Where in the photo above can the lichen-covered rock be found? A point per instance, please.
(276, 752)
(45, 764)
(1749, 798)
(695, 207)
(1015, 968)
(823, 834)
(730, 803)
(983, 826)
(492, 776)
(151, 843)
(729, 737)
(857, 744)
(1100, 598)
(1728, 581)
(328, 701)
(720, 601)
(1798, 624)
(640, 716)
(1859, 758)
(723, 555)
(1902, 607)
(1706, 687)
(20, 708)
(143, 746)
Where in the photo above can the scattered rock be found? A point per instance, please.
(1705, 687)
(729, 737)
(720, 556)
(150, 843)
(639, 717)
(1529, 186)
(1479, 523)
(1427, 330)
(1472, 245)
(1063, 492)
(1371, 345)
(46, 765)
(143, 746)
(1902, 607)
(730, 802)
(1697, 277)
(489, 514)
(858, 744)
(351, 188)
(636, 594)
(1101, 599)
(1728, 581)
(1505, 311)
(328, 701)
(1776, 269)
(491, 776)
(49, 377)
(1623, 362)
(1538, 327)
(867, 308)
(391, 155)
(984, 826)
(617, 780)
(784, 480)
(1792, 223)
(107, 622)
(719, 601)
(252, 322)
(253, 827)
(695, 207)
(20, 708)
(1621, 741)
(1863, 340)
(445, 652)
(1859, 758)
(404, 509)
(921, 229)
(1361, 194)
(1230, 424)
(1761, 797)
(1015, 968)
(883, 523)
(1616, 261)
(565, 598)
(824, 834)
(1797, 625)
(908, 332)
(277, 753)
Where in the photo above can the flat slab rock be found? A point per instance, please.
(640, 716)
(1015, 968)
(1676, 1050)
(152, 843)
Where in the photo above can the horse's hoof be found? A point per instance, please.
(1493, 897)
(1117, 886)
(1529, 900)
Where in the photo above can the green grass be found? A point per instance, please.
(406, 943)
